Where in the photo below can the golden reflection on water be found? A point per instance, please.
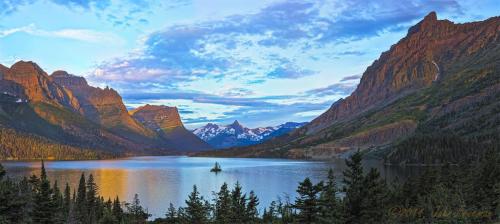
(111, 182)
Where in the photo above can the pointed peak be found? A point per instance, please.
(236, 123)
(432, 16)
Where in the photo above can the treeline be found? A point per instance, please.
(448, 194)
(15, 145)
(439, 149)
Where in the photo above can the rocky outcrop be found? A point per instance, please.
(158, 117)
(166, 121)
(442, 81)
(103, 106)
(29, 82)
(415, 62)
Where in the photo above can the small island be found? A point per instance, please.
(216, 168)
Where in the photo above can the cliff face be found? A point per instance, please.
(28, 81)
(441, 81)
(166, 121)
(418, 60)
(103, 106)
(158, 117)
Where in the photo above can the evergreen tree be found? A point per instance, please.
(329, 204)
(135, 212)
(108, 218)
(117, 209)
(81, 212)
(196, 211)
(307, 201)
(66, 201)
(238, 204)
(223, 205)
(171, 215)
(44, 207)
(373, 207)
(251, 213)
(58, 204)
(91, 200)
(353, 188)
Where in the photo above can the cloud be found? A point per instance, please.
(334, 89)
(85, 35)
(289, 72)
(351, 77)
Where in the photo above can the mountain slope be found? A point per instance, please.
(61, 113)
(104, 106)
(166, 121)
(235, 135)
(438, 84)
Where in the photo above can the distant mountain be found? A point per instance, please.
(62, 117)
(235, 134)
(433, 97)
(166, 121)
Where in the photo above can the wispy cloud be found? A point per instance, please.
(86, 35)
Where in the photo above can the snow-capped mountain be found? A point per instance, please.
(235, 134)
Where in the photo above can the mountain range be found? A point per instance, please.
(60, 116)
(433, 97)
(236, 135)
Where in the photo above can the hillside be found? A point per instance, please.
(434, 97)
(166, 121)
(62, 117)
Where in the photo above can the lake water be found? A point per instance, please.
(160, 180)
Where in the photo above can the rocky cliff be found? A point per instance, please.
(103, 106)
(166, 121)
(418, 60)
(440, 83)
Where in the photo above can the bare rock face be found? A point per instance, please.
(103, 106)
(158, 117)
(167, 122)
(415, 62)
(28, 81)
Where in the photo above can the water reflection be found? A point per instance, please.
(161, 180)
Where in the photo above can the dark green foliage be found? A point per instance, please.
(135, 212)
(197, 211)
(307, 201)
(330, 210)
(463, 193)
(223, 205)
(44, 206)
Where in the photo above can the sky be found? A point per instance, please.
(262, 63)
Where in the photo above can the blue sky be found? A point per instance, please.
(260, 62)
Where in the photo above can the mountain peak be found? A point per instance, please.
(158, 116)
(63, 78)
(432, 16)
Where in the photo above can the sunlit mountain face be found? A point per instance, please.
(263, 63)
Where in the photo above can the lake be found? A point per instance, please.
(160, 180)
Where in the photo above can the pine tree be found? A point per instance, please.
(196, 211)
(329, 204)
(307, 201)
(136, 212)
(81, 212)
(92, 199)
(171, 215)
(223, 205)
(373, 207)
(353, 188)
(238, 204)
(117, 209)
(44, 207)
(251, 213)
(58, 204)
(66, 201)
